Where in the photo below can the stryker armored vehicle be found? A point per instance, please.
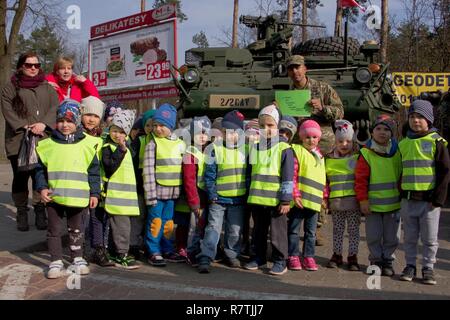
(215, 80)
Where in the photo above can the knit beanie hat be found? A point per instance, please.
(310, 128)
(112, 107)
(344, 130)
(424, 108)
(217, 123)
(289, 123)
(92, 105)
(124, 119)
(69, 109)
(200, 124)
(233, 120)
(271, 111)
(386, 120)
(166, 115)
(147, 116)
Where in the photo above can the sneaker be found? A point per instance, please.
(183, 252)
(174, 257)
(310, 264)
(192, 260)
(204, 265)
(126, 262)
(294, 263)
(279, 268)
(335, 261)
(387, 270)
(254, 265)
(428, 276)
(78, 266)
(352, 263)
(157, 260)
(135, 252)
(370, 271)
(233, 263)
(101, 258)
(55, 269)
(408, 273)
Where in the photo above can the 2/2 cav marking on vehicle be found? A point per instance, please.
(234, 100)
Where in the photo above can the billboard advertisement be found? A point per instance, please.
(134, 58)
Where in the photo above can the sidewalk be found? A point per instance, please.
(23, 258)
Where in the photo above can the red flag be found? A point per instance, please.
(351, 4)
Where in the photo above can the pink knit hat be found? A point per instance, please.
(310, 128)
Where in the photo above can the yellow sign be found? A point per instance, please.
(409, 85)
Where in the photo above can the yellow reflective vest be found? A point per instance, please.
(120, 189)
(169, 156)
(311, 178)
(67, 169)
(231, 171)
(144, 140)
(341, 176)
(384, 194)
(266, 175)
(418, 165)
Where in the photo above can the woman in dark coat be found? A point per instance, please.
(28, 101)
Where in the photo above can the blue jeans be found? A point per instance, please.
(196, 231)
(310, 225)
(234, 222)
(159, 227)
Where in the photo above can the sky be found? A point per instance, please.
(210, 16)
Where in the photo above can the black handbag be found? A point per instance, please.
(28, 159)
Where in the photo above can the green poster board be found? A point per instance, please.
(294, 102)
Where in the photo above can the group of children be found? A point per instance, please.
(143, 190)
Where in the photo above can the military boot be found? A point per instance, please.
(40, 216)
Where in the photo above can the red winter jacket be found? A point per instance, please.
(78, 91)
(196, 198)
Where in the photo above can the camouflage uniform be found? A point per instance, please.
(332, 111)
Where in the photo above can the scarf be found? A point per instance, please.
(26, 82)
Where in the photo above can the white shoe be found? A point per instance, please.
(55, 269)
(78, 266)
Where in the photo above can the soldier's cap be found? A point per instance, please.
(295, 60)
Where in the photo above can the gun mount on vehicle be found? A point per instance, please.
(214, 80)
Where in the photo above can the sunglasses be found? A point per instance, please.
(31, 65)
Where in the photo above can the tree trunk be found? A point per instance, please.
(338, 20)
(7, 51)
(304, 20)
(234, 42)
(290, 15)
(384, 31)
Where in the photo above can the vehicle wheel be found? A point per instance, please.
(328, 45)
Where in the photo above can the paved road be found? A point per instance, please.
(23, 260)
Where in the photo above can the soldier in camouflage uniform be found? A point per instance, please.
(326, 108)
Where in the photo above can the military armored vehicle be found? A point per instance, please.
(214, 80)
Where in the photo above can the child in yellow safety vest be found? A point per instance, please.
(92, 109)
(425, 178)
(272, 167)
(308, 194)
(377, 179)
(68, 179)
(138, 146)
(119, 187)
(340, 166)
(192, 207)
(225, 180)
(162, 175)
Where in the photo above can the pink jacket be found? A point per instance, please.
(78, 90)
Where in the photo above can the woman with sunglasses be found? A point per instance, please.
(28, 102)
(69, 85)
